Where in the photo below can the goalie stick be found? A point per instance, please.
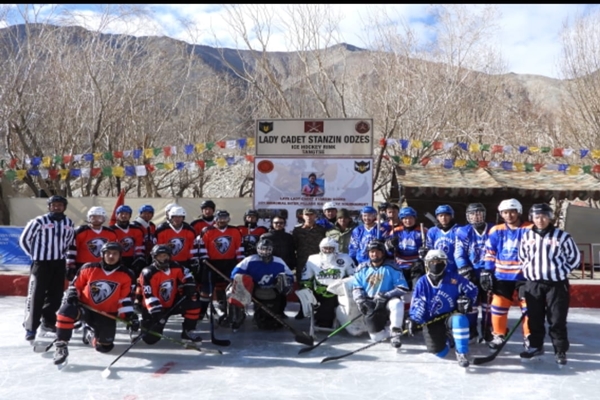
(213, 339)
(300, 337)
(332, 358)
(492, 357)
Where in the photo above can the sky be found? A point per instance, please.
(527, 36)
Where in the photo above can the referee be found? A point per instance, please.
(548, 254)
(46, 240)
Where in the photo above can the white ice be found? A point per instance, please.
(266, 365)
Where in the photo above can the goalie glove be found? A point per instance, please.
(307, 300)
(283, 283)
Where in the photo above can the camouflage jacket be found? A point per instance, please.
(307, 243)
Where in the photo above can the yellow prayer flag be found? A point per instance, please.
(98, 156)
(46, 162)
(534, 149)
(406, 160)
(169, 166)
(595, 153)
(148, 153)
(64, 173)
(519, 166)
(460, 163)
(200, 147)
(573, 170)
(417, 144)
(474, 147)
(21, 174)
(118, 171)
(250, 142)
(221, 162)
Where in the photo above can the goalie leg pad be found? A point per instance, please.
(263, 319)
(239, 292)
(307, 300)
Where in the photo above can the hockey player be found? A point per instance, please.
(106, 286)
(362, 235)
(404, 244)
(131, 238)
(393, 218)
(378, 289)
(321, 271)
(207, 208)
(144, 222)
(548, 254)
(251, 232)
(180, 236)
(439, 292)
(88, 241)
(221, 244)
(329, 217)
(443, 235)
(468, 254)
(163, 282)
(264, 277)
(503, 274)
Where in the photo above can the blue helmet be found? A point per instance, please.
(444, 209)
(368, 210)
(407, 212)
(124, 208)
(146, 208)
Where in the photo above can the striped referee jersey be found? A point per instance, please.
(550, 257)
(47, 240)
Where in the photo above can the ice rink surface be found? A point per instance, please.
(266, 365)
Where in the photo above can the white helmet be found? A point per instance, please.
(169, 206)
(435, 254)
(96, 211)
(328, 242)
(177, 212)
(510, 204)
(329, 205)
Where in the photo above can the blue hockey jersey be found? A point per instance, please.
(409, 242)
(445, 241)
(369, 281)
(470, 246)
(263, 274)
(361, 237)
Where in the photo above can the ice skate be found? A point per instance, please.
(396, 340)
(561, 358)
(462, 360)
(531, 353)
(191, 335)
(496, 342)
(61, 353)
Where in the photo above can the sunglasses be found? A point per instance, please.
(278, 223)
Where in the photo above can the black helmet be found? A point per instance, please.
(384, 206)
(111, 246)
(251, 213)
(475, 208)
(222, 214)
(57, 199)
(208, 204)
(161, 249)
(376, 245)
(264, 249)
(541, 208)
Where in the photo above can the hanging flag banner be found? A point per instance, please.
(12, 257)
(315, 137)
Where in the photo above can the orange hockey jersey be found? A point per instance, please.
(199, 225)
(108, 291)
(88, 243)
(221, 244)
(182, 241)
(160, 287)
(131, 239)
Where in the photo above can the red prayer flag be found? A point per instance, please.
(437, 145)
(483, 163)
(497, 148)
(538, 166)
(120, 202)
(558, 152)
(425, 161)
(201, 164)
(596, 168)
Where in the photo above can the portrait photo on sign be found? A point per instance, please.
(312, 185)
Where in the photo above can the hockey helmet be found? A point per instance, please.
(252, 213)
(264, 249)
(146, 208)
(177, 212)
(407, 212)
(510, 204)
(475, 214)
(124, 208)
(96, 211)
(328, 245)
(111, 246)
(541, 208)
(161, 249)
(57, 199)
(330, 205)
(376, 245)
(444, 209)
(208, 204)
(435, 262)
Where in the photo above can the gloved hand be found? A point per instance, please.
(486, 280)
(195, 266)
(189, 289)
(463, 304)
(134, 321)
(468, 272)
(138, 265)
(391, 244)
(366, 306)
(380, 301)
(411, 327)
(156, 314)
(423, 252)
(72, 297)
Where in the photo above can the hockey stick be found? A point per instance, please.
(404, 332)
(487, 317)
(213, 339)
(338, 330)
(300, 337)
(492, 357)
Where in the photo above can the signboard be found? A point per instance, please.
(12, 257)
(292, 184)
(314, 138)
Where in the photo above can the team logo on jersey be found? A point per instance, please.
(176, 245)
(339, 261)
(250, 239)
(165, 290)
(265, 127)
(127, 244)
(265, 280)
(95, 246)
(102, 290)
(362, 166)
(222, 244)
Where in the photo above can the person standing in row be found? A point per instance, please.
(46, 239)
(547, 254)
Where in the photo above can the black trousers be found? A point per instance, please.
(44, 293)
(547, 300)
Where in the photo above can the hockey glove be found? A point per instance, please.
(366, 306)
(463, 304)
(468, 272)
(380, 301)
(391, 244)
(195, 266)
(189, 289)
(134, 322)
(72, 297)
(486, 280)
(411, 327)
(423, 252)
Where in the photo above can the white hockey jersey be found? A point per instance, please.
(321, 271)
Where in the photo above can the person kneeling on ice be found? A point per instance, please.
(263, 277)
(322, 270)
(163, 283)
(378, 289)
(437, 293)
(105, 286)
